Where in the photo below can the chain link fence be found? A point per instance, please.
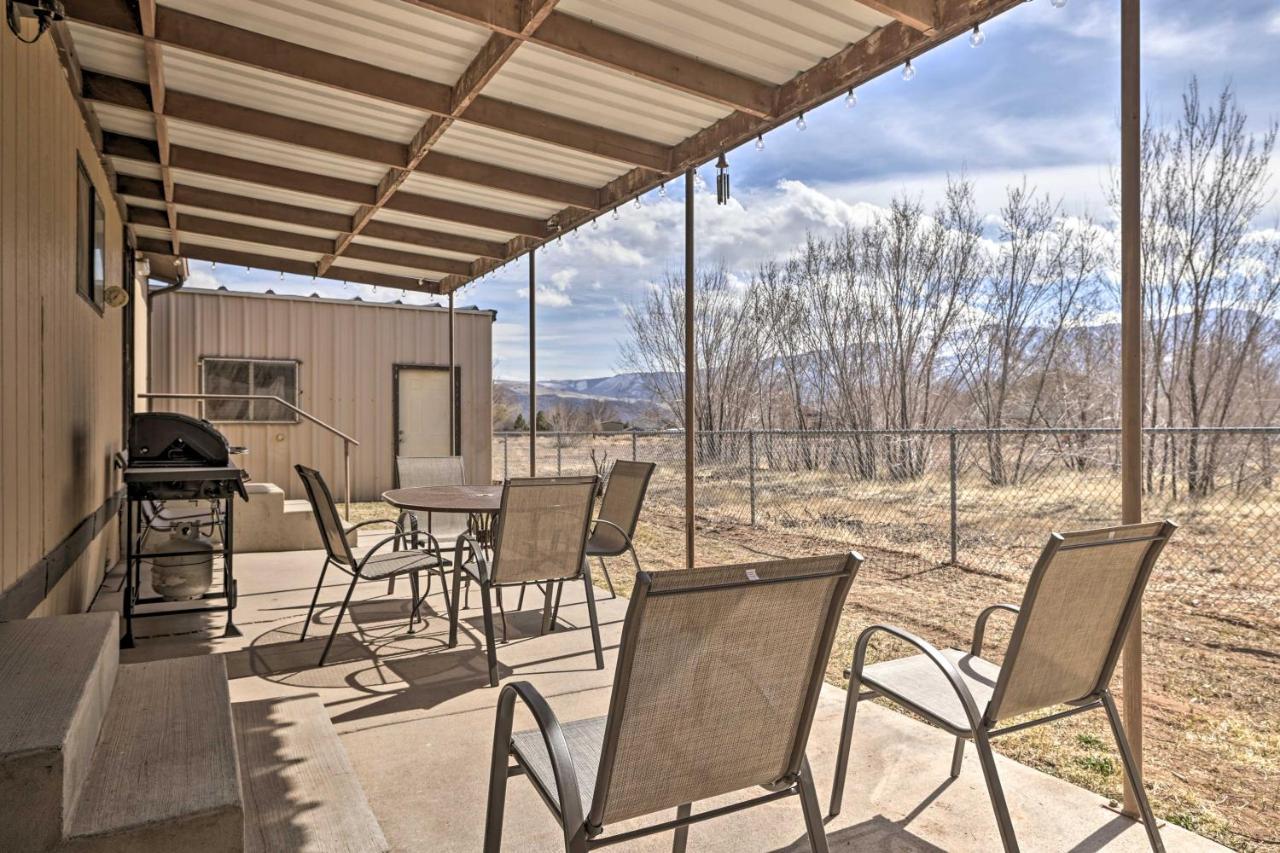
(985, 499)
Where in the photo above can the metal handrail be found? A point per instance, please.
(347, 441)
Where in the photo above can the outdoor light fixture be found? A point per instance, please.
(616, 215)
(759, 142)
(851, 99)
(977, 37)
(46, 13)
(908, 71)
(722, 180)
(1058, 4)
(662, 190)
(638, 202)
(800, 123)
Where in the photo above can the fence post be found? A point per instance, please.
(558, 453)
(751, 472)
(505, 474)
(955, 523)
(633, 445)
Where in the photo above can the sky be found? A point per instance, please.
(1039, 99)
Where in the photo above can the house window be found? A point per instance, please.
(276, 378)
(91, 236)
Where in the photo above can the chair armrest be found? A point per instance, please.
(623, 533)
(980, 627)
(395, 524)
(468, 541)
(931, 652)
(552, 737)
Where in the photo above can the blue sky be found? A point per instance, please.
(1040, 98)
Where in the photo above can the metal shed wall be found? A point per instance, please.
(347, 353)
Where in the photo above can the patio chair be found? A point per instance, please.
(540, 536)
(372, 565)
(1079, 604)
(620, 507)
(718, 676)
(412, 471)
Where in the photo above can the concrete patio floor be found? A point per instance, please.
(416, 720)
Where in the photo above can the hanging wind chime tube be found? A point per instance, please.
(722, 180)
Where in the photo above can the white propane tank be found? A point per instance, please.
(183, 578)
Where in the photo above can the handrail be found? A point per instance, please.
(347, 441)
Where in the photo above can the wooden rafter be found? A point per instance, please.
(922, 15)
(196, 109)
(597, 45)
(155, 80)
(496, 51)
(244, 47)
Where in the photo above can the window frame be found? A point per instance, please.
(204, 360)
(91, 239)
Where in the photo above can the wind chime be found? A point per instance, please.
(722, 180)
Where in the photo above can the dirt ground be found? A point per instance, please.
(1212, 736)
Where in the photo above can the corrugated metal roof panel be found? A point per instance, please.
(273, 153)
(126, 121)
(247, 247)
(389, 269)
(413, 247)
(430, 185)
(109, 52)
(388, 33)
(553, 82)
(273, 224)
(771, 40)
(474, 142)
(445, 225)
(251, 190)
(221, 80)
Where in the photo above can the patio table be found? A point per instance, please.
(473, 500)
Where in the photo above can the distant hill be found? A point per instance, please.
(624, 395)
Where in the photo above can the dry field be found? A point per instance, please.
(1212, 626)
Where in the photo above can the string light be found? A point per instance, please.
(908, 71)
(616, 215)
(662, 190)
(759, 142)
(595, 225)
(1058, 4)
(638, 202)
(801, 124)
(977, 37)
(213, 265)
(851, 99)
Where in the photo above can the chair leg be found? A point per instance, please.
(846, 735)
(413, 605)
(812, 811)
(555, 611)
(490, 646)
(988, 761)
(607, 579)
(547, 601)
(453, 609)
(520, 601)
(314, 598)
(336, 622)
(957, 757)
(680, 840)
(444, 590)
(591, 612)
(1131, 770)
(502, 611)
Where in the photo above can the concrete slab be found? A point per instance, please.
(416, 721)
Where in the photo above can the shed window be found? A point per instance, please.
(250, 376)
(90, 240)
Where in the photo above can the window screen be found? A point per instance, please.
(250, 376)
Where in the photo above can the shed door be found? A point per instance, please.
(422, 420)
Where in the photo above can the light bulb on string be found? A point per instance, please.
(759, 142)
(801, 124)
(616, 215)
(595, 225)
(638, 202)
(977, 37)
(851, 99)
(1058, 4)
(908, 71)
(662, 190)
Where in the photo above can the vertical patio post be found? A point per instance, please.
(533, 365)
(453, 385)
(1131, 348)
(690, 370)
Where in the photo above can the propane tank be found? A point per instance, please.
(187, 577)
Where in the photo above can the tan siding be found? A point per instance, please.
(60, 362)
(347, 353)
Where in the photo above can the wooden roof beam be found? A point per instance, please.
(202, 35)
(199, 252)
(922, 15)
(607, 48)
(155, 80)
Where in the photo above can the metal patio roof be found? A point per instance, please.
(418, 144)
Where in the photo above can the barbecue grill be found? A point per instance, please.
(171, 458)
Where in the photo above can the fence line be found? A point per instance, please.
(975, 497)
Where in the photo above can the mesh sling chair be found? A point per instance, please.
(620, 507)
(540, 536)
(371, 566)
(718, 676)
(1079, 604)
(412, 471)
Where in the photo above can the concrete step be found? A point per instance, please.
(300, 793)
(302, 506)
(164, 776)
(56, 680)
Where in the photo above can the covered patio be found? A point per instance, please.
(418, 145)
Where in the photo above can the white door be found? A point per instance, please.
(423, 418)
